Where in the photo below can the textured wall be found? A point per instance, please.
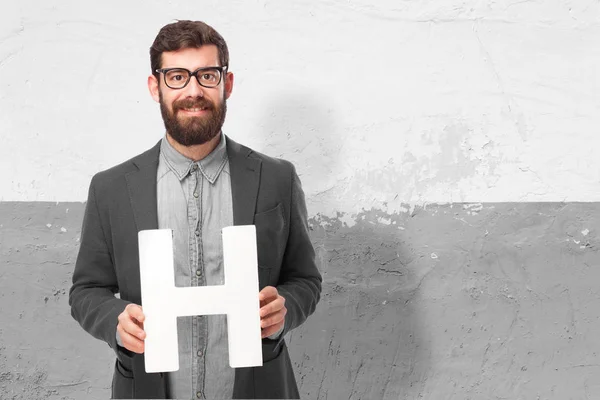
(458, 301)
(448, 154)
(381, 105)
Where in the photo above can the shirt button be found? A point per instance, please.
(197, 233)
(199, 353)
(199, 395)
(195, 195)
(198, 272)
(194, 167)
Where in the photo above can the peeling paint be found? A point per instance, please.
(394, 321)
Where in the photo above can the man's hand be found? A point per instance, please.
(272, 311)
(131, 328)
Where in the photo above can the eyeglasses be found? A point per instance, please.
(178, 78)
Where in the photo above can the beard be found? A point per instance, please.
(193, 130)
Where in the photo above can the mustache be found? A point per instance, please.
(200, 102)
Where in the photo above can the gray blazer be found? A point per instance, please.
(121, 201)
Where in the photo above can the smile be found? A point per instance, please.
(194, 110)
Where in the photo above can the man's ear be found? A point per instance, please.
(153, 88)
(228, 84)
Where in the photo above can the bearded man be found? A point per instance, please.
(195, 181)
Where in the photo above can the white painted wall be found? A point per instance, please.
(377, 104)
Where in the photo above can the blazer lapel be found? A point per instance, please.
(245, 176)
(142, 189)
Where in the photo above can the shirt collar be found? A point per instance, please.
(210, 166)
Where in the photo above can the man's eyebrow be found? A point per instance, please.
(205, 66)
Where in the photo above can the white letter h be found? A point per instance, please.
(163, 302)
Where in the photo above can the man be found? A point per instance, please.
(195, 181)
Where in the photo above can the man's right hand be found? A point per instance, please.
(131, 328)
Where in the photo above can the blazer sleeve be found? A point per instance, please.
(300, 280)
(92, 295)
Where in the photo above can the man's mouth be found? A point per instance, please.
(195, 109)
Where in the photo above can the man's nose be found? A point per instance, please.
(193, 88)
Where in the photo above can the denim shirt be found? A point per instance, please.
(194, 199)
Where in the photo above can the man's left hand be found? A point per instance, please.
(272, 311)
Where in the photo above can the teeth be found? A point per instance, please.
(195, 109)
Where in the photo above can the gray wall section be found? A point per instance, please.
(444, 302)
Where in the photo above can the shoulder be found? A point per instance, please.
(269, 164)
(109, 176)
(274, 163)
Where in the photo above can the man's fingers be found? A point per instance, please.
(134, 329)
(136, 312)
(273, 319)
(131, 328)
(272, 307)
(267, 292)
(130, 324)
(131, 342)
(140, 324)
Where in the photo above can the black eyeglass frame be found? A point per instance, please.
(222, 71)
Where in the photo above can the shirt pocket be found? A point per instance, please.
(270, 229)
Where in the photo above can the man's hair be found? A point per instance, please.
(184, 35)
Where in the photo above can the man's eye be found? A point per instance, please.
(176, 76)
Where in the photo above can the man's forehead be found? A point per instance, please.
(191, 58)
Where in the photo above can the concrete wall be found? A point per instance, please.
(447, 151)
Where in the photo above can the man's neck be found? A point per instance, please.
(195, 152)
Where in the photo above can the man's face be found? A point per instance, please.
(195, 114)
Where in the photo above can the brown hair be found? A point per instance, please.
(183, 35)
